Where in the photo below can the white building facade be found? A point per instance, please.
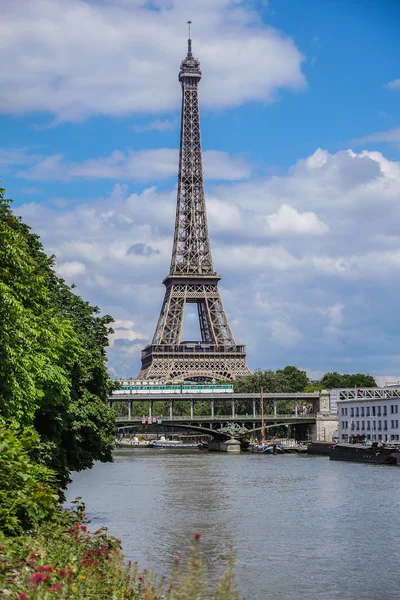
(376, 418)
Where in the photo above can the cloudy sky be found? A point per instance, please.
(300, 109)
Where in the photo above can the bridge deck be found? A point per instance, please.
(310, 418)
(142, 397)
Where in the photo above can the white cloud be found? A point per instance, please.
(283, 334)
(142, 166)
(394, 85)
(289, 221)
(71, 269)
(288, 295)
(390, 136)
(74, 58)
(157, 125)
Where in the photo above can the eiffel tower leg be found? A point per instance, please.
(169, 326)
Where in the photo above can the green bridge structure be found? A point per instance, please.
(313, 422)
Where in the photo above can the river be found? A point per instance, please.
(302, 527)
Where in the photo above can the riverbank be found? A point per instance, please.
(63, 559)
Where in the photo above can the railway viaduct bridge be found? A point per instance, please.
(315, 421)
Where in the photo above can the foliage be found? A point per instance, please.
(65, 560)
(26, 494)
(337, 380)
(52, 355)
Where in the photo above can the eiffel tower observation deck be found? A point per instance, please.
(192, 278)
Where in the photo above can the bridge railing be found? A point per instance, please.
(195, 418)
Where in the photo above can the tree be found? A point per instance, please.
(292, 378)
(52, 355)
(336, 380)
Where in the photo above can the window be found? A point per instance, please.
(396, 424)
(379, 437)
(357, 412)
(368, 426)
(362, 425)
(396, 408)
(345, 411)
(385, 411)
(352, 412)
(343, 424)
(379, 425)
(391, 409)
(342, 411)
(385, 425)
(379, 411)
(374, 425)
(362, 411)
(358, 425)
(373, 411)
(367, 411)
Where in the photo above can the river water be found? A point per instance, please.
(302, 527)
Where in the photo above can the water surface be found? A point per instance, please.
(302, 527)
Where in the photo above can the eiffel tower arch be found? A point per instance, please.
(192, 278)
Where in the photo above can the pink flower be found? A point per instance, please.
(45, 568)
(37, 578)
(22, 596)
(33, 556)
(62, 572)
(56, 587)
(197, 536)
(177, 559)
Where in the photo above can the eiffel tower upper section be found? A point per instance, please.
(191, 277)
(191, 254)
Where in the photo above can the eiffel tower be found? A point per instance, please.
(192, 277)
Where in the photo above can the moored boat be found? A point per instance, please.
(267, 449)
(375, 453)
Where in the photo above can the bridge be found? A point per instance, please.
(212, 422)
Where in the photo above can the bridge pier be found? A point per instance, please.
(274, 407)
(231, 445)
(191, 408)
(150, 408)
(213, 408)
(233, 407)
(130, 410)
(254, 408)
(171, 409)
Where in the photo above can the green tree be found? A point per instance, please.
(337, 380)
(293, 379)
(52, 355)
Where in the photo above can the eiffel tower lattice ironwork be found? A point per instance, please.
(192, 278)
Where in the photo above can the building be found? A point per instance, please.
(373, 418)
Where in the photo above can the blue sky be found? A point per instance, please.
(300, 116)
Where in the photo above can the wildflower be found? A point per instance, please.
(33, 556)
(37, 578)
(22, 596)
(81, 577)
(45, 568)
(62, 572)
(84, 528)
(177, 559)
(196, 536)
(56, 587)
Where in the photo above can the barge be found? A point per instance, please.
(375, 453)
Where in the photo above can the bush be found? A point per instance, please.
(26, 495)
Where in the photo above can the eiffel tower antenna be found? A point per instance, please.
(191, 277)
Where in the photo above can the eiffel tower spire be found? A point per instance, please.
(191, 277)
